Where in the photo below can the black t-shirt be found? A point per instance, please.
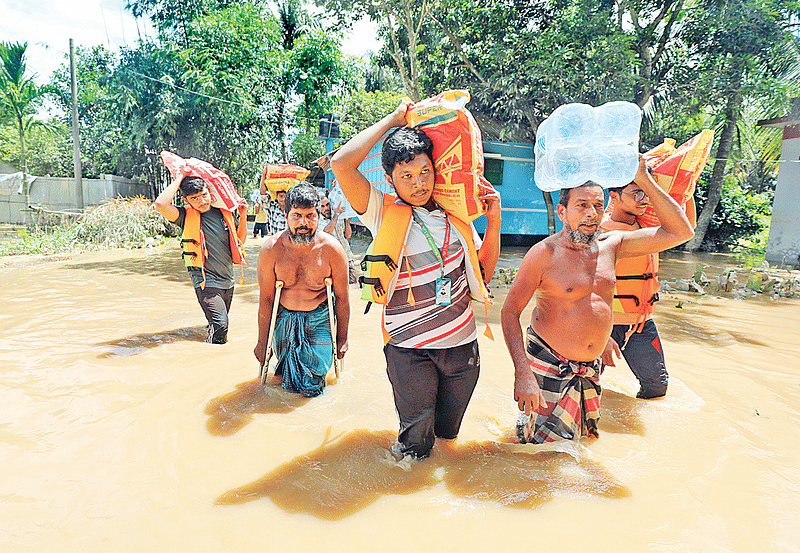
(219, 263)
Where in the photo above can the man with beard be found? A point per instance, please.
(557, 369)
(302, 259)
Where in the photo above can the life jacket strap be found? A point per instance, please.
(190, 240)
(378, 258)
(628, 297)
(372, 281)
(193, 254)
(646, 276)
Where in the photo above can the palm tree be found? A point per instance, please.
(19, 98)
(742, 48)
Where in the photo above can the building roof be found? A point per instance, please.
(793, 118)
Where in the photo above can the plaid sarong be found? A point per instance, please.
(304, 347)
(571, 390)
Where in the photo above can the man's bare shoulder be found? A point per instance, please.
(544, 249)
(329, 243)
(273, 243)
(610, 239)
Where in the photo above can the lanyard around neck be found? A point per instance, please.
(440, 256)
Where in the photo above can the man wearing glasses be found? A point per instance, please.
(298, 261)
(636, 294)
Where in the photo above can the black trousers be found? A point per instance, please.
(432, 388)
(216, 303)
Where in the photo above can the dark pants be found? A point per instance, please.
(432, 388)
(644, 356)
(216, 303)
(259, 228)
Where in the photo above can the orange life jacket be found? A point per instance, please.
(636, 292)
(381, 264)
(194, 242)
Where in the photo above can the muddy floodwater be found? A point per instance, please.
(120, 430)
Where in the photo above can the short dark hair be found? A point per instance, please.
(302, 195)
(404, 144)
(191, 185)
(563, 197)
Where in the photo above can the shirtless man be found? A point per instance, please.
(572, 273)
(302, 259)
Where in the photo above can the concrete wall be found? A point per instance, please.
(59, 194)
(784, 231)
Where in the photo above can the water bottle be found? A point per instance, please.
(572, 124)
(618, 122)
(615, 165)
(578, 143)
(572, 165)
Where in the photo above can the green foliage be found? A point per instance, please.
(360, 109)
(321, 74)
(41, 241)
(48, 153)
(739, 217)
(20, 96)
(129, 222)
(305, 149)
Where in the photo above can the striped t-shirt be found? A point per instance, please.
(424, 324)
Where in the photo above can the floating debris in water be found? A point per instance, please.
(740, 283)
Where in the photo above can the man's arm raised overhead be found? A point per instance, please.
(345, 162)
(675, 228)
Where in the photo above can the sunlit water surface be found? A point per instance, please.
(122, 431)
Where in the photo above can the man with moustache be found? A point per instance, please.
(428, 267)
(302, 258)
(557, 368)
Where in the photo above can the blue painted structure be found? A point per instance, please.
(510, 169)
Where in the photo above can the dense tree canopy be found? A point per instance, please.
(244, 82)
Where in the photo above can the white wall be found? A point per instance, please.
(59, 194)
(784, 232)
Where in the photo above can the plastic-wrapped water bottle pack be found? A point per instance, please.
(578, 143)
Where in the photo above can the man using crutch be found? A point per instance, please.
(293, 267)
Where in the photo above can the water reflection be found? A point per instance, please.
(232, 412)
(528, 479)
(139, 343)
(620, 413)
(348, 473)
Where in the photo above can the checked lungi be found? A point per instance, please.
(571, 390)
(304, 348)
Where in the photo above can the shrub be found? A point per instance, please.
(740, 221)
(122, 222)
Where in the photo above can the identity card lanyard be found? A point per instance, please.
(443, 285)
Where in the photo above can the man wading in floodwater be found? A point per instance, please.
(212, 240)
(427, 280)
(557, 368)
(302, 258)
(636, 294)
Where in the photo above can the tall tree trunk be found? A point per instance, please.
(551, 213)
(718, 174)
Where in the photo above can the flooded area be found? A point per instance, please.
(121, 430)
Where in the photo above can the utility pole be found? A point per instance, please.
(76, 137)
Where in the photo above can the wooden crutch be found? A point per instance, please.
(336, 361)
(268, 354)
